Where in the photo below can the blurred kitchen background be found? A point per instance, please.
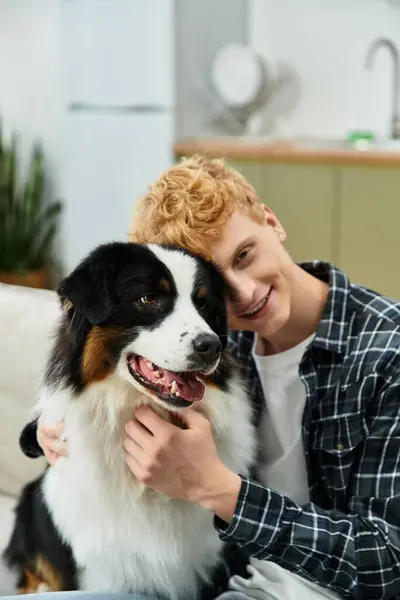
(97, 97)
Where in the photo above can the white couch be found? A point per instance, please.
(27, 319)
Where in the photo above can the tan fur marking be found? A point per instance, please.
(49, 575)
(67, 305)
(31, 583)
(202, 291)
(165, 285)
(96, 361)
(45, 578)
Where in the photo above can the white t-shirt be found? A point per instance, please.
(283, 466)
(283, 469)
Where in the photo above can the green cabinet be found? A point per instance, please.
(303, 199)
(256, 172)
(369, 227)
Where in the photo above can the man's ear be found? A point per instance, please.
(88, 290)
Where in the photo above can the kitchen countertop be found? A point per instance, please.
(287, 152)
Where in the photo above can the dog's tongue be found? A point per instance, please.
(189, 388)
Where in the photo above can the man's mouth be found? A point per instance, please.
(258, 308)
(177, 389)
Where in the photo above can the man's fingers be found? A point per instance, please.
(137, 432)
(132, 447)
(51, 457)
(193, 418)
(54, 447)
(58, 430)
(61, 448)
(52, 432)
(152, 421)
(136, 460)
(133, 465)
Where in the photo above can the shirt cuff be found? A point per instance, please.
(257, 517)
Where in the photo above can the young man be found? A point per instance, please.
(322, 359)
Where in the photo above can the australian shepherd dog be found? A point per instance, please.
(140, 324)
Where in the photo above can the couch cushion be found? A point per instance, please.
(7, 579)
(27, 319)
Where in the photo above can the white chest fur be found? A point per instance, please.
(125, 537)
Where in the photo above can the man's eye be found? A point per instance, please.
(149, 300)
(241, 256)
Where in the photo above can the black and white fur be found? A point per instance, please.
(120, 535)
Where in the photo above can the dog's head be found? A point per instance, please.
(154, 315)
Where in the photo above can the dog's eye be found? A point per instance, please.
(148, 300)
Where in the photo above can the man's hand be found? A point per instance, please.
(181, 463)
(51, 442)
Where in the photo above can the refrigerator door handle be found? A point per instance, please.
(110, 108)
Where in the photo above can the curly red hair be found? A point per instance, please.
(190, 202)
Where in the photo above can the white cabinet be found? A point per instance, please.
(118, 70)
(109, 161)
(119, 52)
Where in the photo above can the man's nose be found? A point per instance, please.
(242, 291)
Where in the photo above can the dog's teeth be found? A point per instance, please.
(157, 374)
(149, 364)
(177, 394)
(173, 387)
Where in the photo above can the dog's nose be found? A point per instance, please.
(207, 346)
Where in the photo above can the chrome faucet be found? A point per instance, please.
(380, 42)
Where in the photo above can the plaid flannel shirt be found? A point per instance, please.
(347, 537)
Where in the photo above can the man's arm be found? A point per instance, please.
(356, 552)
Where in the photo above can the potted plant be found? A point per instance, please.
(28, 224)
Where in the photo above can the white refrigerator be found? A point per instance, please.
(118, 122)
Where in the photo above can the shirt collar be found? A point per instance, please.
(332, 331)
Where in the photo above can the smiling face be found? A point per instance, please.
(258, 270)
(153, 315)
(208, 207)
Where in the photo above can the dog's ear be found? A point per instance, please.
(218, 320)
(88, 290)
(221, 322)
(217, 316)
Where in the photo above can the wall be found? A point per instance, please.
(30, 91)
(201, 28)
(326, 41)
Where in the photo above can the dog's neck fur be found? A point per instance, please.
(101, 412)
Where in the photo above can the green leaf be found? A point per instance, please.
(28, 224)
